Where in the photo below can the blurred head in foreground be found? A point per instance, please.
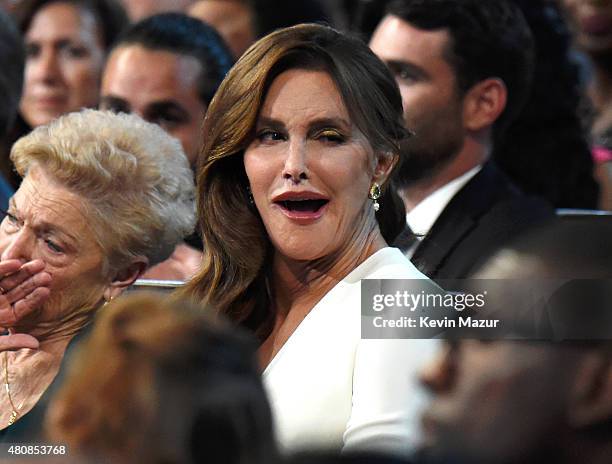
(509, 401)
(159, 382)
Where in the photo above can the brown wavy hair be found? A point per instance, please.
(233, 277)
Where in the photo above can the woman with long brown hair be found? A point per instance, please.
(301, 139)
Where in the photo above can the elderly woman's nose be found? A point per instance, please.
(296, 161)
(18, 246)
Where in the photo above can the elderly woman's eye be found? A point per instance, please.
(54, 247)
(12, 220)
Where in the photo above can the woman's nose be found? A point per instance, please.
(296, 162)
(46, 67)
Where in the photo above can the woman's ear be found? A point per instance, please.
(125, 277)
(385, 162)
(591, 400)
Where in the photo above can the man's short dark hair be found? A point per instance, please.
(488, 38)
(183, 35)
(12, 62)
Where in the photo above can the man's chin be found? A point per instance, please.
(416, 168)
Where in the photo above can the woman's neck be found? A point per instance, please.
(304, 283)
(297, 286)
(57, 330)
(28, 374)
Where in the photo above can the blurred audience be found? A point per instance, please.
(66, 44)
(190, 60)
(275, 14)
(545, 150)
(591, 24)
(364, 15)
(233, 19)
(301, 140)
(158, 382)
(463, 68)
(12, 60)
(104, 196)
(530, 401)
(141, 9)
(241, 22)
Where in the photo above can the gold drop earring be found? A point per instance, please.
(374, 195)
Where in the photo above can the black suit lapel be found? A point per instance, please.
(459, 217)
(438, 244)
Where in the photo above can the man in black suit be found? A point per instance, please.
(464, 72)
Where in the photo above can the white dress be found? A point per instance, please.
(331, 390)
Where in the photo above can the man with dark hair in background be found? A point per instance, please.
(12, 62)
(464, 71)
(167, 68)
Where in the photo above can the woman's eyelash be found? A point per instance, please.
(269, 134)
(331, 135)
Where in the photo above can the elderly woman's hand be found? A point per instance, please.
(23, 288)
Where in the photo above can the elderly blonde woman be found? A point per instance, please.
(103, 197)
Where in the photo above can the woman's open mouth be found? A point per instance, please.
(303, 210)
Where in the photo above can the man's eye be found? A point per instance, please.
(115, 107)
(167, 122)
(406, 76)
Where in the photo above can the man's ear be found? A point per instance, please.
(125, 277)
(385, 162)
(484, 103)
(591, 400)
